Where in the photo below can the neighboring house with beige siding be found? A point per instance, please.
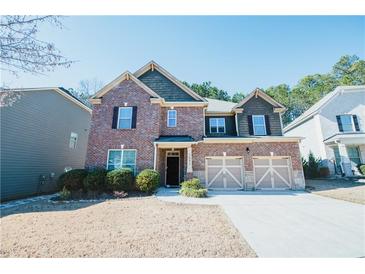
(334, 130)
(43, 132)
(149, 119)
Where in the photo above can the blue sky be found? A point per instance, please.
(236, 53)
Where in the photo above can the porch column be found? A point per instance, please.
(345, 160)
(189, 169)
(155, 157)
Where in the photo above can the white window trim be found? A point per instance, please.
(352, 122)
(216, 125)
(168, 117)
(76, 136)
(253, 124)
(135, 160)
(130, 124)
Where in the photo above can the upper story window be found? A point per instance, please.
(258, 124)
(73, 140)
(125, 117)
(171, 118)
(217, 125)
(347, 123)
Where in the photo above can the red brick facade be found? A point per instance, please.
(190, 121)
(102, 137)
(203, 150)
(151, 123)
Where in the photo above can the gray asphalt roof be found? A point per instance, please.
(215, 105)
(176, 138)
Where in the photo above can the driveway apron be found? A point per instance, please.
(289, 223)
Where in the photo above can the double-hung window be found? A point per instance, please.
(346, 122)
(125, 117)
(122, 158)
(217, 125)
(258, 124)
(171, 118)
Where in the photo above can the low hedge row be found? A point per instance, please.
(100, 180)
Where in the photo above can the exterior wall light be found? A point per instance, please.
(248, 150)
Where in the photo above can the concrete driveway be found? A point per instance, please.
(289, 223)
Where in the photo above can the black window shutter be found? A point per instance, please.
(267, 124)
(250, 125)
(134, 117)
(115, 117)
(340, 128)
(356, 122)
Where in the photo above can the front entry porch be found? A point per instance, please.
(173, 159)
(348, 152)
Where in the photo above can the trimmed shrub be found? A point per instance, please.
(362, 169)
(193, 188)
(324, 171)
(148, 180)
(65, 194)
(193, 183)
(196, 193)
(311, 166)
(120, 179)
(95, 180)
(73, 179)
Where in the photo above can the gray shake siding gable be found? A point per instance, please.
(35, 135)
(164, 87)
(258, 106)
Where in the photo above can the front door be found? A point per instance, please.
(172, 170)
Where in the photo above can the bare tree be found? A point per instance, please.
(86, 89)
(90, 86)
(21, 51)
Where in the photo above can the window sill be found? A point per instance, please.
(126, 129)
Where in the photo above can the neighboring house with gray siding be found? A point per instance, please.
(334, 130)
(43, 131)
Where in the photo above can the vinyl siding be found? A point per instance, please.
(230, 126)
(258, 106)
(35, 134)
(164, 87)
(347, 103)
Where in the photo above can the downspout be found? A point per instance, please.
(204, 110)
(236, 122)
(155, 157)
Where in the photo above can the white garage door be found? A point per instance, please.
(224, 172)
(272, 173)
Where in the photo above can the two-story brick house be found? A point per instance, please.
(149, 119)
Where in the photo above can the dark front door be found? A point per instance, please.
(172, 171)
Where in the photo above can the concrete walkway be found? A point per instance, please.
(289, 223)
